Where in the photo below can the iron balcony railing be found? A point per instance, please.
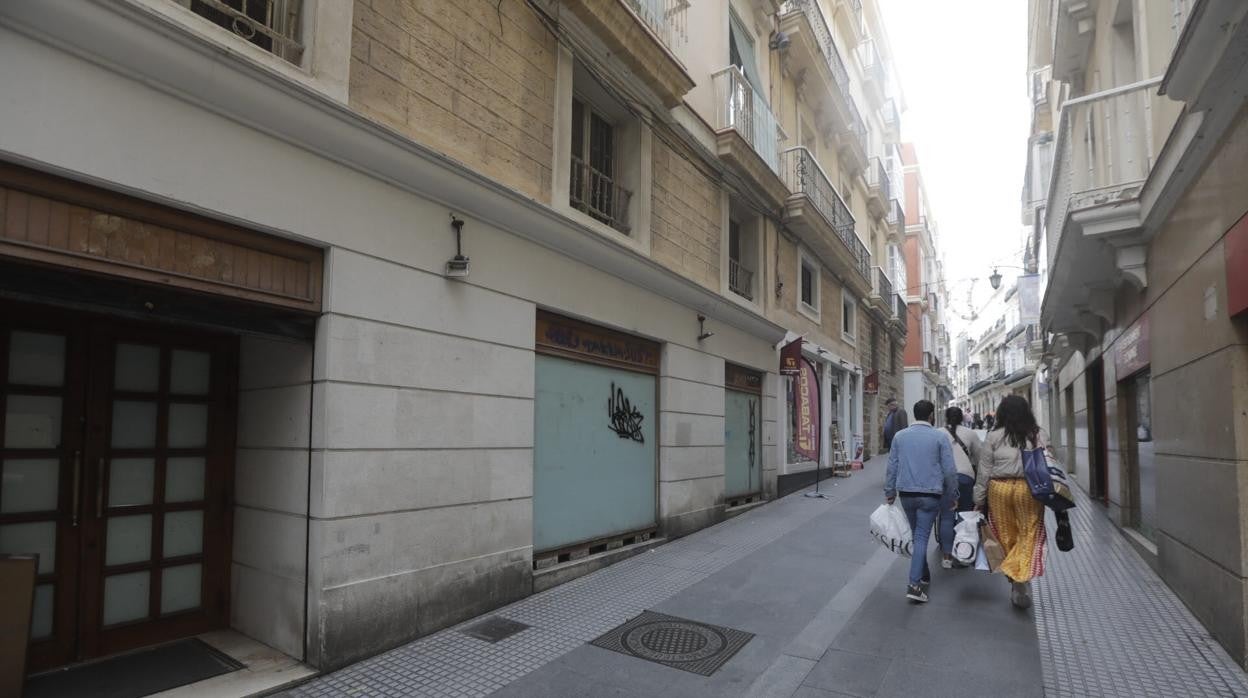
(823, 34)
(877, 179)
(599, 196)
(872, 65)
(666, 18)
(901, 307)
(742, 109)
(857, 127)
(803, 175)
(881, 285)
(273, 25)
(1104, 141)
(740, 280)
(897, 219)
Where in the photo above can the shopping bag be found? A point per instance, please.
(994, 553)
(891, 528)
(981, 560)
(966, 537)
(1046, 480)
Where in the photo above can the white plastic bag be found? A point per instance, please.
(966, 537)
(891, 528)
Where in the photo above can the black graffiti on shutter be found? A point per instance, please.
(625, 420)
(751, 434)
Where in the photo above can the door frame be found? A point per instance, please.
(1098, 448)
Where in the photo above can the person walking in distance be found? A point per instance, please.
(966, 446)
(922, 473)
(894, 421)
(1014, 515)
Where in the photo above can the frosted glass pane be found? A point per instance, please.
(131, 481)
(129, 539)
(41, 617)
(32, 421)
(37, 538)
(184, 533)
(179, 588)
(137, 368)
(134, 424)
(189, 372)
(184, 479)
(125, 597)
(188, 425)
(29, 485)
(36, 358)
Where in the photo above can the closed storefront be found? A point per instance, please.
(742, 434)
(595, 439)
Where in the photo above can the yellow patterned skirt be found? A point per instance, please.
(1017, 519)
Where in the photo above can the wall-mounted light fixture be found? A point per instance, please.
(457, 266)
(702, 333)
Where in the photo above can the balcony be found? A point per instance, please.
(597, 195)
(896, 222)
(851, 140)
(891, 116)
(1105, 148)
(874, 72)
(901, 311)
(646, 35)
(879, 188)
(882, 294)
(1073, 24)
(813, 49)
(816, 212)
(740, 280)
(747, 134)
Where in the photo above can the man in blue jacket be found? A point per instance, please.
(922, 472)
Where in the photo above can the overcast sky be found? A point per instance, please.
(962, 68)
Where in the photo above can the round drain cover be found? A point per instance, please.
(673, 641)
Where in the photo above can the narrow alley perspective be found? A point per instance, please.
(623, 348)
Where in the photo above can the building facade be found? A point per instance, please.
(314, 311)
(1001, 348)
(1140, 117)
(928, 350)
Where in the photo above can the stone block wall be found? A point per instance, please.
(474, 80)
(687, 223)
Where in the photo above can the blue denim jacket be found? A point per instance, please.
(921, 460)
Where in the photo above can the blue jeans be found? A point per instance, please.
(922, 511)
(948, 518)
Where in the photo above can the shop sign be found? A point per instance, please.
(574, 339)
(871, 386)
(1236, 247)
(1132, 349)
(791, 358)
(743, 379)
(807, 411)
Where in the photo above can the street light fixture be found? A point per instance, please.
(995, 279)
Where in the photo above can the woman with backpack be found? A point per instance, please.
(1014, 515)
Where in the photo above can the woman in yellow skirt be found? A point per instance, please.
(1015, 517)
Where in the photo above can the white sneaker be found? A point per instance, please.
(946, 563)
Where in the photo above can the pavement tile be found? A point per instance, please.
(849, 672)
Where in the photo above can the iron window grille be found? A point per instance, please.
(272, 25)
(594, 189)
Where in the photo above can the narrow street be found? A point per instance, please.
(824, 604)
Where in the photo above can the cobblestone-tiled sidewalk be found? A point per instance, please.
(1108, 625)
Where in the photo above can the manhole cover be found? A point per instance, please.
(493, 629)
(682, 644)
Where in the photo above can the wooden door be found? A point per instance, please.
(138, 422)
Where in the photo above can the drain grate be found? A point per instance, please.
(493, 629)
(683, 644)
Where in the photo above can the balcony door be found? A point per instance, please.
(116, 458)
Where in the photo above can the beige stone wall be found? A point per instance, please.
(686, 225)
(473, 79)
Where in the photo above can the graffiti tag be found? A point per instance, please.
(625, 420)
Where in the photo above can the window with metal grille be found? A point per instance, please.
(273, 25)
(594, 188)
(810, 291)
(849, 317)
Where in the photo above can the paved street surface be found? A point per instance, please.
(825, 605)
